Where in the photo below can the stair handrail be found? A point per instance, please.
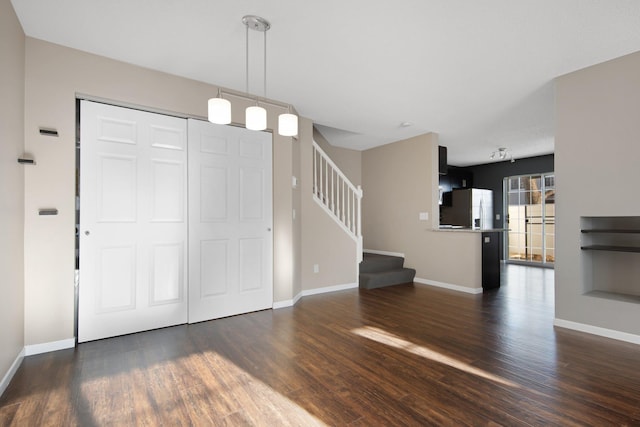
(331, 187)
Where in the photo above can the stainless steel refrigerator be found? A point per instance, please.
(468, 208)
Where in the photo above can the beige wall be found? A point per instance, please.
(596, 156)
(54, 75)
(297, 207)
(349, 161)
(12, 43)
(323, 241)
(399, 181)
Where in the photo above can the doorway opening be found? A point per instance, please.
(530, 206)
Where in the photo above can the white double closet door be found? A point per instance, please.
(175, 221)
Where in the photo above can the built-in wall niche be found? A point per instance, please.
(610, 257)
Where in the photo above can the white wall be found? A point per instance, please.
(12, 41)
(597, 150)
(297, 207)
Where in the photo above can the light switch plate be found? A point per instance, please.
(424, 216)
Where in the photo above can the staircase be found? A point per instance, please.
(339, 198)
(377, 271)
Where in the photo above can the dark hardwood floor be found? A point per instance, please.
(403, 355)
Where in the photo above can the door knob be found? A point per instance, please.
(87, 232)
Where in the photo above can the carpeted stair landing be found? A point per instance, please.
(377, 271)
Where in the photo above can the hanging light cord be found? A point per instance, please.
(246, 59)
(265, 64)
(264, 87)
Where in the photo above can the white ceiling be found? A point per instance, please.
(479, 73)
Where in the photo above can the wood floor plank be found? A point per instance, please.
(401, 355)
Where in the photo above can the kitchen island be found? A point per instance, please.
(489, 252)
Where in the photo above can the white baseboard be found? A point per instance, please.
(282, 304)
(292, 302)
(11, 372)
(449, 286)
(596, 330)
(297, 298)
(327, 289)
(373, 251)
(30, 350)
(288, 302)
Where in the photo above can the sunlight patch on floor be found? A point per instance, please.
(214, 392)
(260, 404)
(387, 338)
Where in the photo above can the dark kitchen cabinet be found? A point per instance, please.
(442, 160)
(460, 177)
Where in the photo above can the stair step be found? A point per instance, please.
(374, 263)
(377, 271)
(386, 278)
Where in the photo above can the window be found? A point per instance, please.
(530, 208)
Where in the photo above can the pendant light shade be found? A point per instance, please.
(256, 118)
(219, 111)
(288, 124)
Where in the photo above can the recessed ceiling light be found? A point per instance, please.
(406, 124)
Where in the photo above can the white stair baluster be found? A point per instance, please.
(333, 193)
(359, 200)
(338, 184)
(315, 175)
(337, 195)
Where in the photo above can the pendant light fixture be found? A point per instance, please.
(288, 124)
(255, 115)
(219, 110)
